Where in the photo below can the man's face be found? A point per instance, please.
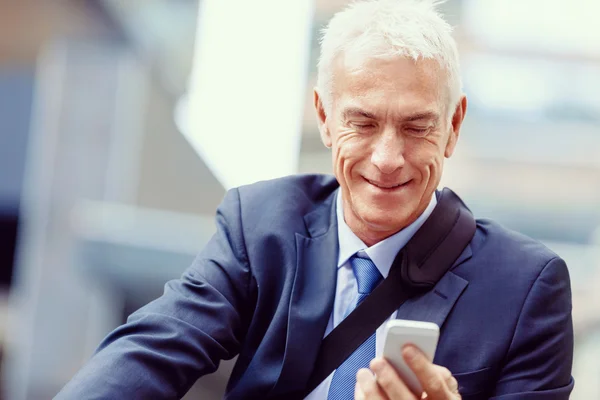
(389, 132)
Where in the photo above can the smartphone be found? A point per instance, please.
(400, 332)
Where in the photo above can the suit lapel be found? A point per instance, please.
(312, 296)
(435, 305)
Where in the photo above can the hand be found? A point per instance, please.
(437, 382)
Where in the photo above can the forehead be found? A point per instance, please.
(398, 85)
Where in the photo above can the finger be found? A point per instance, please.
(451, 381)
(443, 371)
(389, 380)
(366, 383)
(453, 385)
(426, 372)
(358, 393)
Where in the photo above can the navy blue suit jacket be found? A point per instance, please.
(263, 289)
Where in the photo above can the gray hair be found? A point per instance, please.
(389, 28)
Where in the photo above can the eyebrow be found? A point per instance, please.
(355, 111)
(428, 115)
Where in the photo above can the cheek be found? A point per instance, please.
(425, 157)
(347, 152)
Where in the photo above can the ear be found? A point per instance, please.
(322, 119)
(457, 120)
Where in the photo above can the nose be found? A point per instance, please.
(388, 152)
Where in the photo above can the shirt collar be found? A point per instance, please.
(382, 253)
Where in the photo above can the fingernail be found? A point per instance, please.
(409, 353)
(363, 373)
(376, 365)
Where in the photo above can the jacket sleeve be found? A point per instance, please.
(539, 360)
(168, 344)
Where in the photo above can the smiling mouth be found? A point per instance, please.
(386, 186)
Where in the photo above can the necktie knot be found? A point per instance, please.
(366, 273)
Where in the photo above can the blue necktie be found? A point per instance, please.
(344, 378)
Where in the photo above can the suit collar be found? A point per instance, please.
(436, 304)
(323, 218)
(312, 297)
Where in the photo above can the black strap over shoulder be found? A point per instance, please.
(416, 269)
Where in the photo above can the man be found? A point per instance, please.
(281, 271)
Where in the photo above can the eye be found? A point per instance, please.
(417, 131)
(362, 125)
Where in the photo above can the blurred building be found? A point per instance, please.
(104, 197)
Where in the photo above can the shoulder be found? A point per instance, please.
(506, 243)
(505, 253)
(507, 268)
(278, 203)
(297, 194)
(306, 187)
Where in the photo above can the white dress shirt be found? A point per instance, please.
(346, 291)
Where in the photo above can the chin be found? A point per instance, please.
(380, 221)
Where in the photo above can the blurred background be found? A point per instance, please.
(123, 122)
